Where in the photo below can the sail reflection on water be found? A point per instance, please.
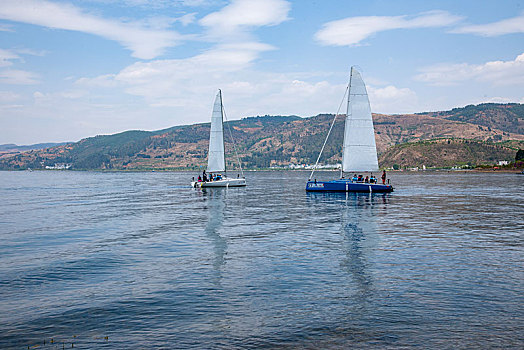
(358, 230)
(215, 199)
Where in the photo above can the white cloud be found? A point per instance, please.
(5, 28)
(171, 82)
(163, 23)
(37, 95)
(8, 96)
(494, 72)
(73, 94)
(302, 88)
(55, 97)
(18, 77)
(506, 26)
(352, 30)
(144, 42)
(187, 18)
(242, 15)
(104, 81)
(6, 56)
(187, 86)
(14, 76)
(494, 99)
(185, 83)
(32, 52)
(11, 107)
(217, 61)
(391, 99)
(159, 4)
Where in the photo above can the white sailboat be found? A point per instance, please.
(216, 163)
(359, 152)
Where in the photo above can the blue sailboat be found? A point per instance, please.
(359, 153)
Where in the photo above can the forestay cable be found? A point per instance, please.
(329, 132)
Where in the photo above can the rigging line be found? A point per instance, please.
(329, 132)
(233, 141)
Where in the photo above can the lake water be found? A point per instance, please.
(141, 260)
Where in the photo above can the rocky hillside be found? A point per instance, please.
(433, 139)
(506, 117)
(446, 153)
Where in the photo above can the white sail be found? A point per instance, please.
(215, 157)
(360, 151)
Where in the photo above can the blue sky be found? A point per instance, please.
(74, 69)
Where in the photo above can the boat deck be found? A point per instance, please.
(224, 182)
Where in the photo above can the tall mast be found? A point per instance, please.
(345, 122)
(223, 143)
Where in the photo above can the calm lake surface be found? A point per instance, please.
(148, 262)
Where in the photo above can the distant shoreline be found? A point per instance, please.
(490, 171)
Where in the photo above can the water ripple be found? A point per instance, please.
(141, 260)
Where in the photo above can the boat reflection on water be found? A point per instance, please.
(216, 205)
(355, 199)
(358, 229)
(358, 214)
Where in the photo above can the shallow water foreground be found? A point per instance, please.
(140, 260)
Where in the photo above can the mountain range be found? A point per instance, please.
(473, 135)
(11, 147)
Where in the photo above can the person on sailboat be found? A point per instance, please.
(355, 178)
(384, 177)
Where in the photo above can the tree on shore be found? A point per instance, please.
(519, 155)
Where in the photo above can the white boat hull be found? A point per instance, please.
(220, 183)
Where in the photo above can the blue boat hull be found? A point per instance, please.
(346, 186)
